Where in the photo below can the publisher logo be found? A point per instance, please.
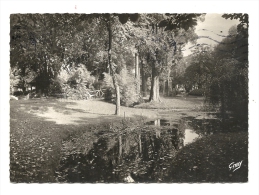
(234, 166)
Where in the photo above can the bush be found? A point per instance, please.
(127, 83)
(109, 94)
(197, 92)
(98, 84)
(55, 87)
(174, 92)
(76, 84)
(80, 92)
(18, 93)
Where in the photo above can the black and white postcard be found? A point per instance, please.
(101, 94)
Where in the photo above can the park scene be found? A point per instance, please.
(129, 98)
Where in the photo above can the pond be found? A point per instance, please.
(142, 154)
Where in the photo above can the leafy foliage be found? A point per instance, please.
(228, 84)
(177, 21)
(55, 87)
(198, 72)
(43, 43)
(242, 17)
(197, 92)
(159, 50)
(127, 84)
(76, 84)
(49, 48)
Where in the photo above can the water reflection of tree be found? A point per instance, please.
(93, 167)
(149, 154)
(145, 154)
(203, 127)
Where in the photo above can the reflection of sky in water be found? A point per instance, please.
(190, 135)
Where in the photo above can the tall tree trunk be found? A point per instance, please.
(169, 88)
(137, 72)
(154, 92)
(157, 88)
(117, 91)
(108, 69)
(144, 80)
(164, 82)
(23, 89)
(114, 79)
(23, 81)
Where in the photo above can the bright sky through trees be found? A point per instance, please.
(211, 31)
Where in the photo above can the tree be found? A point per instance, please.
(46, 43)
(109, 20)
(228, 79)
(197, 73)
(36, 45)
(162, 43)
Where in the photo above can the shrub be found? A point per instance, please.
(17, 93)
(77, 84)
(127, 83)
(55, 87)
(197, 92)
(80, 92)
(109, 94)
(98, 84)
(174, 92)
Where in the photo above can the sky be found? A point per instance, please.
(213, 27)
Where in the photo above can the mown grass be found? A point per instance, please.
(188, 102)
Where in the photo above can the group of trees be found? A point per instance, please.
(221, 73)
(44, 44)
(130, 49)
(229, 75)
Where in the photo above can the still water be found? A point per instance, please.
(136, 155)
(190, 136)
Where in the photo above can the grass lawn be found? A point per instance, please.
(185, 103)
(36, 144)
